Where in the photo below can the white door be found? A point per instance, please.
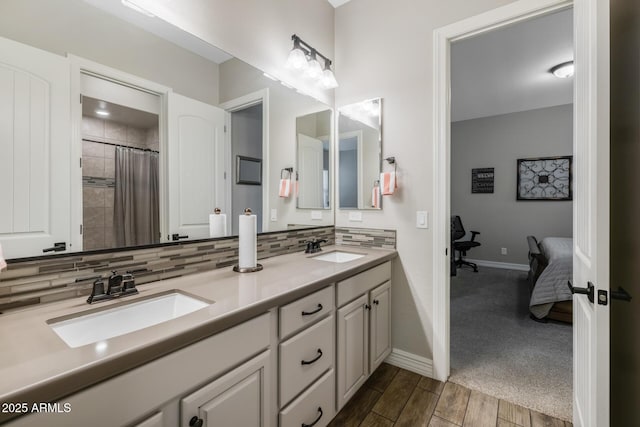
(310, 161)
(353, 348)
(591, 214)
(35, 143)
(196, 166)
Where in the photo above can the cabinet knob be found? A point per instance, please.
(367, 306)
(195, 422)
(376, 302)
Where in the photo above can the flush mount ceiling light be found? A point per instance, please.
(303, 57)
(564, 70)
(102, 113)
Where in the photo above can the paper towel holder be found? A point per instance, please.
(237, 268)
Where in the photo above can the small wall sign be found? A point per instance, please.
(482, 180)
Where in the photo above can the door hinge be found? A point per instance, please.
(80, 162)
(225, 174)
(80, 98)
(446, 252)
(80, 229)
(225, 128)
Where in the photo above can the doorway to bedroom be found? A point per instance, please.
(511, 214)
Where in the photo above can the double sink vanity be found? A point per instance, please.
(286, 346)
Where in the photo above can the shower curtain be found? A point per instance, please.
(136, 208)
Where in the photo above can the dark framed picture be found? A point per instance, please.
(482, 180)
(545, 178)
(248, 170)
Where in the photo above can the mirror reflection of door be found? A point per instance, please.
(313, 132)
(350, 169)
(120, 165)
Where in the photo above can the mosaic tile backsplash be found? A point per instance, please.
(366, 237)
(52, 279)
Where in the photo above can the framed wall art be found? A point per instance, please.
(545, 178)
(482, 180)
(248, 170)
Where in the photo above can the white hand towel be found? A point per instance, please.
(3, 263)
(388, 183)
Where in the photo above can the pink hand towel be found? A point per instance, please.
(285, 187)
(388, 183)
(375, 197)
(3, 263)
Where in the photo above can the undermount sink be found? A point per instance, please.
(338, 257)
(123, 319)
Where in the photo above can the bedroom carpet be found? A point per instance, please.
(498, 350)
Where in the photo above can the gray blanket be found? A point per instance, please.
(551, 286)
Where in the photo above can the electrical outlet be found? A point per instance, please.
(355, 216)
(503, 251)
(274, 214)
(316, 215)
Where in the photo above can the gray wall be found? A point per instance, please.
(625, 210)
(246, 140)
(498, 142)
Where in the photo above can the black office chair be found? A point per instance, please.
(458, 232)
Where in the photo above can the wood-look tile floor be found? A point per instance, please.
(396, 397)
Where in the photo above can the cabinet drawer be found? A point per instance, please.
(303, 312)
(317, 403)
(305, 357)
(359, 284)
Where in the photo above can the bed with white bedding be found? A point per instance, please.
(551, 267)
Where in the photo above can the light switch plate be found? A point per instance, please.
(316, 215)
(274, 214)
(355, 216)
(422, 219)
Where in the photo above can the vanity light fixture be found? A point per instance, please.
(564, 70)
(303, 57)
(102, 113)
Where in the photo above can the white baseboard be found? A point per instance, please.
(410, 362)
(503, 265)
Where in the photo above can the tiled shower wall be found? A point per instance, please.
(54, 278)
(98, 170)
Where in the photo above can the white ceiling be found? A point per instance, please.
(119, 113)
(507, 70)
(336, 3)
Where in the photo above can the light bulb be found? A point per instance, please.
(297, 59)
(314, 69)
(328, 80)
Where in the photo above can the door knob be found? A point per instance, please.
(588, 291)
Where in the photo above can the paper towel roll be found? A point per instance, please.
(217, 225)
(247, 245)
(3, 263)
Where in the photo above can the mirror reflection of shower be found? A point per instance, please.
(120, 166)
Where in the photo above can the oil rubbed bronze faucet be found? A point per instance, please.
(119, 285)
(313, 246)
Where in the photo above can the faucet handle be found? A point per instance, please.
(97, 292)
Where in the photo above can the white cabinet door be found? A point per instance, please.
(353, 348)
(380, 345)
(196, 166)
(239, 398)
(35, 135)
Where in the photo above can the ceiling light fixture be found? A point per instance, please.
(102, 113)
(303, 57)
(564, 70)
(137, 8)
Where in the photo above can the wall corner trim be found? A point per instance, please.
(410, 362)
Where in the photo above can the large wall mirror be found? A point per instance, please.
(118, 130)
(359, 155)
(313, 133)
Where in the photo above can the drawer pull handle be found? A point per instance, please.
(196, 422)
(316, 421)
(312, 361)
(309, 313)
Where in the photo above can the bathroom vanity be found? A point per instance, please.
(287, 346)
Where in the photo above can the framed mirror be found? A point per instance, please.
(359, 155)
(128, 92)
(313, 166)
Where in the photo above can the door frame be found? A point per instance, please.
(81, 66)
(518, 11)
(237, 104)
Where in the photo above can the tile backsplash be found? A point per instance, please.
(366, 237)
(29, 282)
